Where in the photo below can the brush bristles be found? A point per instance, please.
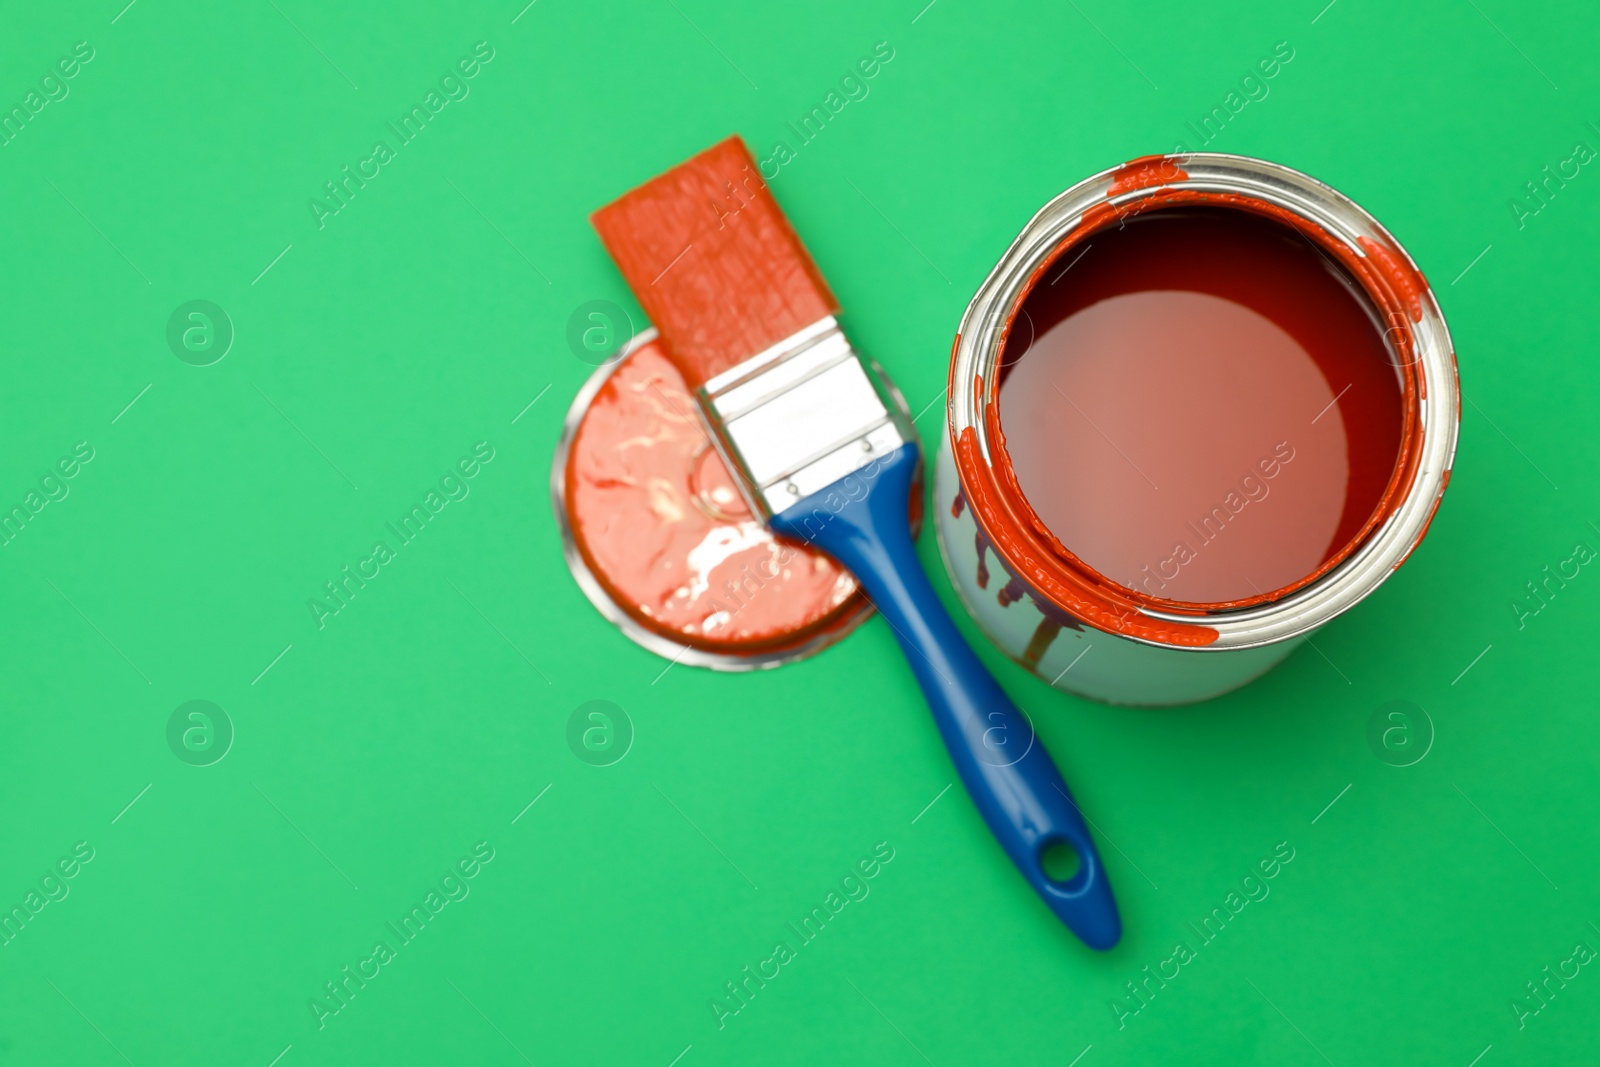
(713, 261)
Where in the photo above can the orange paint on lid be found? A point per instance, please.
(657, 519)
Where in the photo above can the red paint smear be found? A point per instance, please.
(1098, 215)
(1406, 278)
(713, 261)
(1144, 172)
(1023, 541)
(643, 496)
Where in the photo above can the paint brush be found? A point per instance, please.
(823, 456)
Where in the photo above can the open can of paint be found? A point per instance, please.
(662, 542)
(1203, 405)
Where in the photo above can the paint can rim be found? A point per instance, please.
(1432, 399)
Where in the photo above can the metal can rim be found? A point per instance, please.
(982, 330)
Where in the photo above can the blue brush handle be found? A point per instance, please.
(861, 521)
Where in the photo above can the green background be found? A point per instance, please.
(372, 754)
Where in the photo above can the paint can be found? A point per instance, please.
(1122, 635)
(663, 544)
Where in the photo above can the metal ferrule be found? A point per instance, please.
(796, 418)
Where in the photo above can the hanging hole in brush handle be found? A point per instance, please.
(861, 521)
(1060, 862)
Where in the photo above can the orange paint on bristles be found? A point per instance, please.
(713, 261)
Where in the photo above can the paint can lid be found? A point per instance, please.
(661, 541)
